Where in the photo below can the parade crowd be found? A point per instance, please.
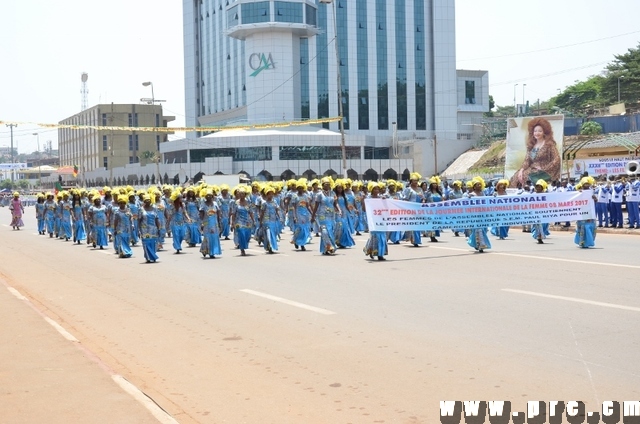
(333, 211)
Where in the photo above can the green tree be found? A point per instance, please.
(504, 111)
(591, 128)
(626, 67)
(582, 95)
(6, 184)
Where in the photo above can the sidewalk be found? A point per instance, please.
(47, 378)
(603, 230)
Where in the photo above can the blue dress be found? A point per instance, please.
(376, 244)
(79, 232)
(193, 228)
(433, 197)
(99, 221)
(417, 196)
(123, 227)
(503, 232)
(40, 209)
(210, 232)
(178, 227)
(343, 226)
(149, 233)
(478, 238)
(225, 213)
(325, 215)
(585, 232)
(352, 216)
(302, 231)
(243, 223)
(135, 214)
(270, 225)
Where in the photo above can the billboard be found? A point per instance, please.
(11, 166)
(534, 149)
(601, 166)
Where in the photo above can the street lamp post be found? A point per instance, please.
(339, 80)
(153, 97)
(621, 76)
(515, 105)
(523, 102)
(153, 102)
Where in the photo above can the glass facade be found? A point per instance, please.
(377, 152)
(288, 12)
(420, 60)
(362, 53)
(343, 53)
(382, 58)
(401, 70)
(253, 13)
(311, 17)
(233, 18)
(305, 112)
(470, 92)
(239, 154)
(317, 152)
(322, 63)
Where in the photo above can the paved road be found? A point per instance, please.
(297, 337)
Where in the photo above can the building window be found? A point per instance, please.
(131, 120)
(470, 92)
(288, 12)
(376, 153)
(133, 143)
(311, 15)
(131, 159)
(157, 119)
(232, 17)
(255, 12)
(105, 162)
(317, 152)
(104, 119)
(105, 143)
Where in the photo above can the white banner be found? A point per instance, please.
(602, 166)
(9, 166)
(479, 212)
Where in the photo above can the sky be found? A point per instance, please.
(45, 46)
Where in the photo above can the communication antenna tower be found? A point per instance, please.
(84, 92)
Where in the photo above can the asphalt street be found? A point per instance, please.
(297, 337)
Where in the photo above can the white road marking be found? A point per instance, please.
(546, 258)
(289, 302)
(575, 299)
(16, 293)
(159, 413)
(61, 330)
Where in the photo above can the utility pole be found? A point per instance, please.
(12, 160)
(110, 162)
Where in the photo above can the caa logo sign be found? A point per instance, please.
(259, 62)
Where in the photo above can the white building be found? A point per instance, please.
(269, 61)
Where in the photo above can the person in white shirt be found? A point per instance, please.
(633, 198)
(603, 194)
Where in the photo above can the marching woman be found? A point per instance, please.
(377, 243)
(456, 193)
(16, 208)
(270, 220)
(413, 193)
(433, 195)
(501, 190)
(394, 236)
(586, 229)
(134, 207)
(242, 220)
(540, 231)
(149, 226)
(326, 208)
(178, 220)
(50, 214)
(210, 217)
(65, 218)
(225, 200)
(193, 213)
(162, 216)
(123, 228)
(352, 210)
(40, 210)
(98, 217)
(87, 203)
(478, 238)
(343, 227)
(77, 215)
(361, 216)
(301, 202)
